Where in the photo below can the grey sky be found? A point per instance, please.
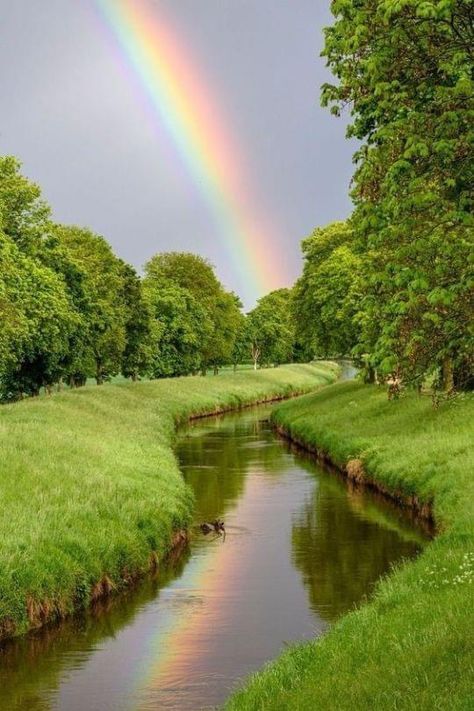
(82, 130)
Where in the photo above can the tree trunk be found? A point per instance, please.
(448, 375)
(216, 370)
(369, 375)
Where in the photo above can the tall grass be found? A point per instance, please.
(412, 646)
(90, 491)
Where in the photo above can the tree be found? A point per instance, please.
(104, 308)
(38, 321)
(241, 348)
(137, 354)
(326, 298)
(182, 323)
(196, 318)
(226, 319)
(270, 329)
(406, 70)
(24, 216)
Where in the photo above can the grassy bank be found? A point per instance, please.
(411, 646)
(90, 491)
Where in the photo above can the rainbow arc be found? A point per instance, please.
(181, 99)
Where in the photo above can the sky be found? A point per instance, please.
(77, 114)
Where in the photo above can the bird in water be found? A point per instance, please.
(217, 526)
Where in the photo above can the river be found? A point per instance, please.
(301, 548)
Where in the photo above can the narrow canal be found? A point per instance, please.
(301, 548)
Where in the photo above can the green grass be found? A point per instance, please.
(90, 488)
(412, 645)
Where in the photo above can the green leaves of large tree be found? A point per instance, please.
(327, 297)
(405, 67)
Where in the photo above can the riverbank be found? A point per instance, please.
(90, 490)
(411, 646)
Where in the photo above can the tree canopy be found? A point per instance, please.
(327, 296)
(405, 70)
(270, 331)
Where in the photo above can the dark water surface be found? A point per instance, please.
(301, 549)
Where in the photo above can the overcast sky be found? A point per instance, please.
(82, 130)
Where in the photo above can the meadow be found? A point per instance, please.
(411, 646)
(90, 490)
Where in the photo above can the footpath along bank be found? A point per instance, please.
(411, 646)
(91, 496)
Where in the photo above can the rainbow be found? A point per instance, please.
(182, 103)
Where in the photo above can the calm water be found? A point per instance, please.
(301, 549)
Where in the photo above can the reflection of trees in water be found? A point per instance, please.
(32, 667)
(215, 464)
(340, 551)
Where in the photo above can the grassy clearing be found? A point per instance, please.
(412, 646)
(90, 489)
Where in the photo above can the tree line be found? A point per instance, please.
(70, 309)
(393, 285)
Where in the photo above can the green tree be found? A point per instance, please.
(406, 70)
(137, 354)
(182, 323)
(196, 319)
(270, 329)
(226, 319)
(24, 216)
(104, 308)
(38, 321)
(241, 348)
(326, 298)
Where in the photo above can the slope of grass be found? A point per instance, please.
(90, 491)
(412, 646)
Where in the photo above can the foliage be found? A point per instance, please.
(411, 646)
(138, 351)
(326, 298)
(37, 323)
(71, 309)
(24, 216)
(105, 309)
(270, 329)
(406, 70)
(196, 319)
(242, 346)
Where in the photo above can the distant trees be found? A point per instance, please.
(269, 329)
(70, 309)
(196, 320)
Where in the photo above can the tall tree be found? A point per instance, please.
(105, 309)
(406, 70)
(137, 354)
(38, 321)
(326, 298)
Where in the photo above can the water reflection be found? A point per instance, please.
(369, 536)
(301, 548)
